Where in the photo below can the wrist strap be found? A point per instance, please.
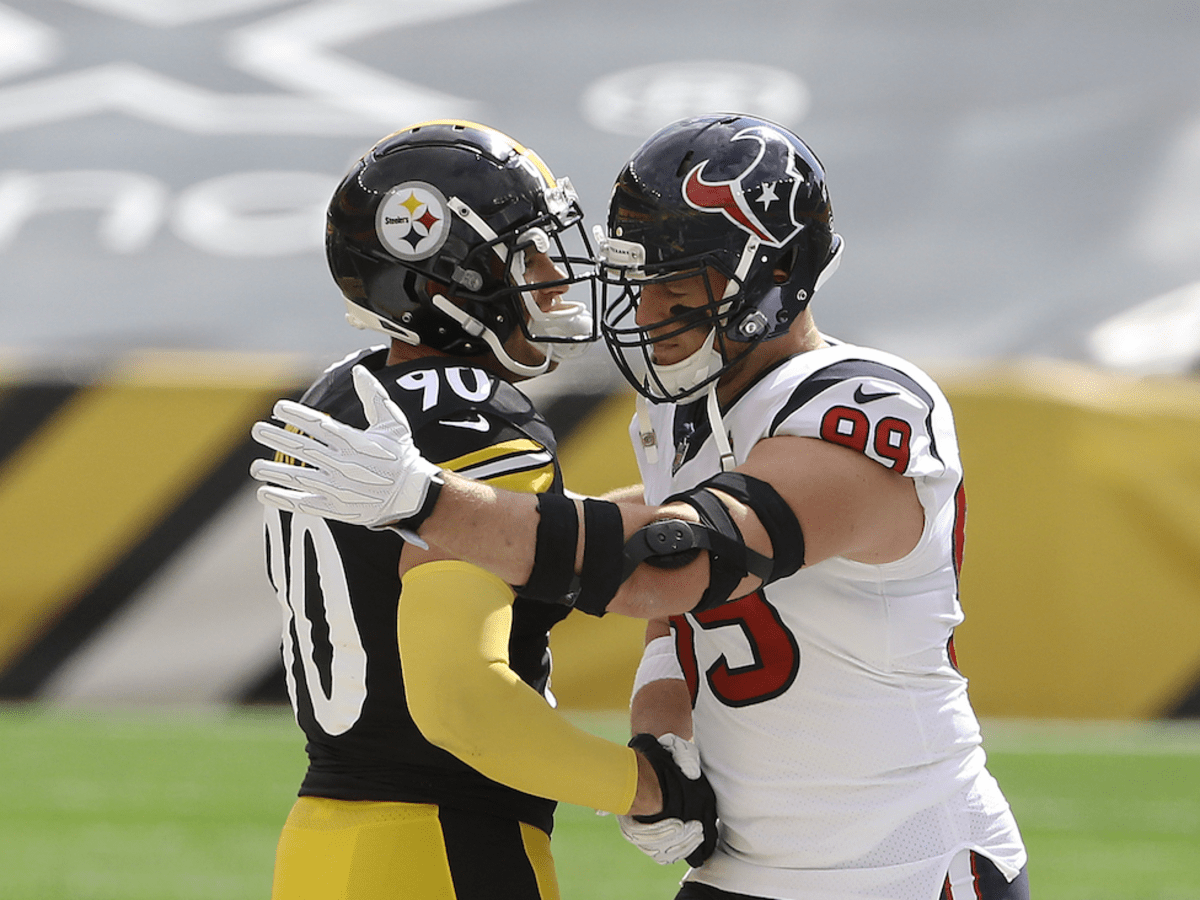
(407, 528)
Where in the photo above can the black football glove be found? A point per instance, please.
(686, 797)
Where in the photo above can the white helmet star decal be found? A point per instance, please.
(768, 196)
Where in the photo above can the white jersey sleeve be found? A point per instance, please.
(868, 406)
(894, 414)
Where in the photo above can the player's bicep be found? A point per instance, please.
(847, 504)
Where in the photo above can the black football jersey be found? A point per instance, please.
(338, 585)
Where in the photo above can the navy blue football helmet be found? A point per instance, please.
(734, 193)
(426, 236)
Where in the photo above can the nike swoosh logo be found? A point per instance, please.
(861, 396)
(478, 423)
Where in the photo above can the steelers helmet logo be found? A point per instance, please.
(413, 221)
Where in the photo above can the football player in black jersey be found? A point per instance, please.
(434, 758)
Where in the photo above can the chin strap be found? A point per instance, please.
(475, 328)
(646, 434)
(720, 436)
(678, 380)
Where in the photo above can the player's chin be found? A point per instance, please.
(667, 355)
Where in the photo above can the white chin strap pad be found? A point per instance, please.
(684, 375)
(562, 333)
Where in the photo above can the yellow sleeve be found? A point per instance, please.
(453, 626)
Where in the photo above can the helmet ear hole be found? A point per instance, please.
(785, 264)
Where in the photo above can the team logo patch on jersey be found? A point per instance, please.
(747, 202)
(413, 221)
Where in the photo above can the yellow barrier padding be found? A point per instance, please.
(596, 456)
(99, 476)
(1081, 582)
(595, 660)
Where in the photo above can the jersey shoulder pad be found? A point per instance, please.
(872, 403)
(333, 392)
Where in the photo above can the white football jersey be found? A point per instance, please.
(830, 715)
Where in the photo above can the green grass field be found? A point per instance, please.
(141, 806)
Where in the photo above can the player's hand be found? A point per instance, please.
(686, 828)
(371, 477)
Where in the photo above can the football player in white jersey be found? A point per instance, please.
(795, 544)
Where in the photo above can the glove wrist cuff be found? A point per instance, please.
(412, 523)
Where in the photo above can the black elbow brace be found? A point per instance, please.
(668, 543)
(553, 577)
(776, 517)
(673, 542)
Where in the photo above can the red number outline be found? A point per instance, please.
(773, 646)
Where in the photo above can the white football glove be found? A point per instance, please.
(372, 477)
(665, 842)
(668, 841)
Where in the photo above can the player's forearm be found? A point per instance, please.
(494, 529)
(651, 593)
(661, 702)
(498, 530)
(662, 707)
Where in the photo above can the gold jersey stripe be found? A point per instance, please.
(532, 482)
(524, 470)
(491, 453)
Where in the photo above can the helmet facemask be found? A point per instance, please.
(623, 277)
(564, 331)
(569, 327)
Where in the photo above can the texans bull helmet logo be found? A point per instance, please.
(746, 200)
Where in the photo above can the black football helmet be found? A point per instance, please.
(733, 193)
(426, 237)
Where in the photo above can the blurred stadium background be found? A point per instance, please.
(1018, 185)
(1019, 188)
